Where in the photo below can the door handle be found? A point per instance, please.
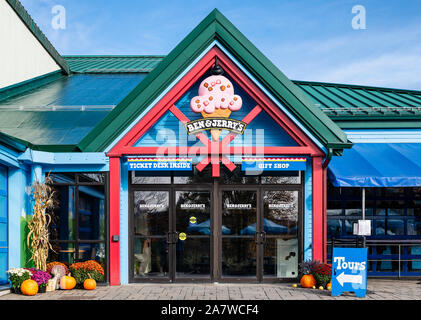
(175, 236)
(262, 237)
(168, 237)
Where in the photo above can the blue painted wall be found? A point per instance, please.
(124, 223)
(308, 211)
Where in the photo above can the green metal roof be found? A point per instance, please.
(78, 91)
(341, 101)
(49, 127)
(338, 101)
(62, 111)
(112, 64)
(36, 31)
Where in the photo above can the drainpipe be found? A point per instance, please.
(328, 158)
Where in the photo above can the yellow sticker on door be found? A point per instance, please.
(182, 236)
(193, 220)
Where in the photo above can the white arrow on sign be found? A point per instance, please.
(351, 278)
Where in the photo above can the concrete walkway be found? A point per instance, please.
(378, 289)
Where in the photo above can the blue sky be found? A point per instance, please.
(307, 39)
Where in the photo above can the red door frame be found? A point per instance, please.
(215, 150)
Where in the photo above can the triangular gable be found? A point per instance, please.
(215, 27)
(262, 131)
(216, 151)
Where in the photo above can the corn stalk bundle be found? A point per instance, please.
(38, 237)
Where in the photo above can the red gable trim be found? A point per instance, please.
(125, 145)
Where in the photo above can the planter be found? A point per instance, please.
(42, 289)
(15, 290)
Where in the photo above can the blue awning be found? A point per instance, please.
(377, 165)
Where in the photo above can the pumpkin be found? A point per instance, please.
(29, 287)
(67, 282)
(307, 281)
(329, 286)
(89, 284)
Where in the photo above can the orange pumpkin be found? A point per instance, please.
(29, 287)
(329, 286)
(89, 284)
(308, 281)
(67, 282)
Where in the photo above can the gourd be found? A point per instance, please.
(89, 284)
(29, 287)
(58, 271)
(67, 283)
(308, 281)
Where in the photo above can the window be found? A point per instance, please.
(395, 214)
(78, 227)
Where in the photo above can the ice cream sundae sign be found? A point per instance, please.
(215, 102)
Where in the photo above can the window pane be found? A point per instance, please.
(239, 212)
(414, 227)
(92, 251)
(414, 208)
(415, 265)
(353, 208)
(63, 177)
(380, 227)
(193, 257)
(151, 213)
(280, 212)
(62, 252)
(237, 177)
(91, 213)
(395, 227)
(349, 227)
(205, 176)
(150, 257)
(238, 257)
(137, 178)
(394, 193)
(291, 178)
(91, 177)
(354, 193)
(334, 208)
(334, 227)
(193, 207)
(63, 221)
(280, 258)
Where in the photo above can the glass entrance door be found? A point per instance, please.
(194, 230)
(279, 221)
(152, 235)
(239, 226)
(172, 232)
(260, 233)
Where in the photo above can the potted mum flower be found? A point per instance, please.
(323, 274)
(16, 277)
(41, 278)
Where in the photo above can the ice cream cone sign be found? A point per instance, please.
(215, 102)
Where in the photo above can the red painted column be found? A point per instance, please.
(114, 220)
(318, 229)
(325, 215)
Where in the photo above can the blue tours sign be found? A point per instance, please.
(273, 164)
(160, 164)
(349, 271)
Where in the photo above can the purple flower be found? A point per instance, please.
(40, 277)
